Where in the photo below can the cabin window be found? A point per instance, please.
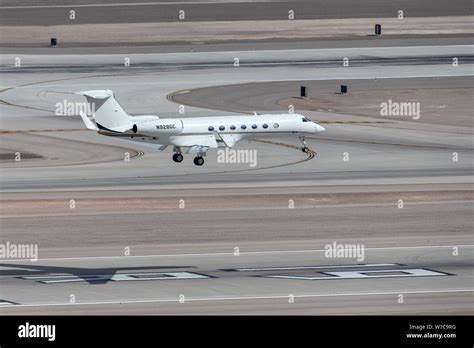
(254, 126)
(276, 125)
(243, 126)
(221, 128)
(232, 127)
(265, 126)
(211, 128)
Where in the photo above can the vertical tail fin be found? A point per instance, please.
(108, 112)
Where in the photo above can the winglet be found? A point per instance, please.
(89, 124)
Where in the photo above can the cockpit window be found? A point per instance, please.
(304, 119)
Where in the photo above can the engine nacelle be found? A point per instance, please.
(166, 126)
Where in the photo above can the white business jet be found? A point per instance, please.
(189, 135)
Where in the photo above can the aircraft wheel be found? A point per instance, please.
(199, 161)
(177, 157)
(305, 149)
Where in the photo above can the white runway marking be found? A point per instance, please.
(4, 303)
(312, 267)
(231, 253)
(51, 279)
(269, 297)
(392, 273)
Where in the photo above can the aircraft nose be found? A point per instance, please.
(318, 128)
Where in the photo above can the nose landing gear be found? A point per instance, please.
(305, 148)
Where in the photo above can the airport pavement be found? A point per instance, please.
(145, 91)
(365, 97)
(196, 34)
(241, 45)
(388, 280)
(425, 247)
(151, 77)
(57, 12)
(330, 57)
(275, 165)
(421, 219)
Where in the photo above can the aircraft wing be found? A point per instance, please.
(150, 145)
(192, 143)
(228, 140)
(206, 140)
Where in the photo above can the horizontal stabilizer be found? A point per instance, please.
(89, 124)
(97, 94)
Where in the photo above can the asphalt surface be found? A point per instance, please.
(280, 252)
(57, 12)
(135, 285)
(242, 45)
(331, 58)
(241, 98)
(415, 243)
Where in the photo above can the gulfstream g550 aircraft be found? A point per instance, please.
(189, 135)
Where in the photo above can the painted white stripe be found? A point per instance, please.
(5, 303)
(314, 267)
(51, 279)
(269, 297)
(413, 272)
(232, 253)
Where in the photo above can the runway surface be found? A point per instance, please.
(57, 12)
(209, 283)
(129, 247)
(357, 56)
(248, 253)
(324, 96)
(241, 45)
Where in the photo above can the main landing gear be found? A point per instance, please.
(199, 161)
(178, 157)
